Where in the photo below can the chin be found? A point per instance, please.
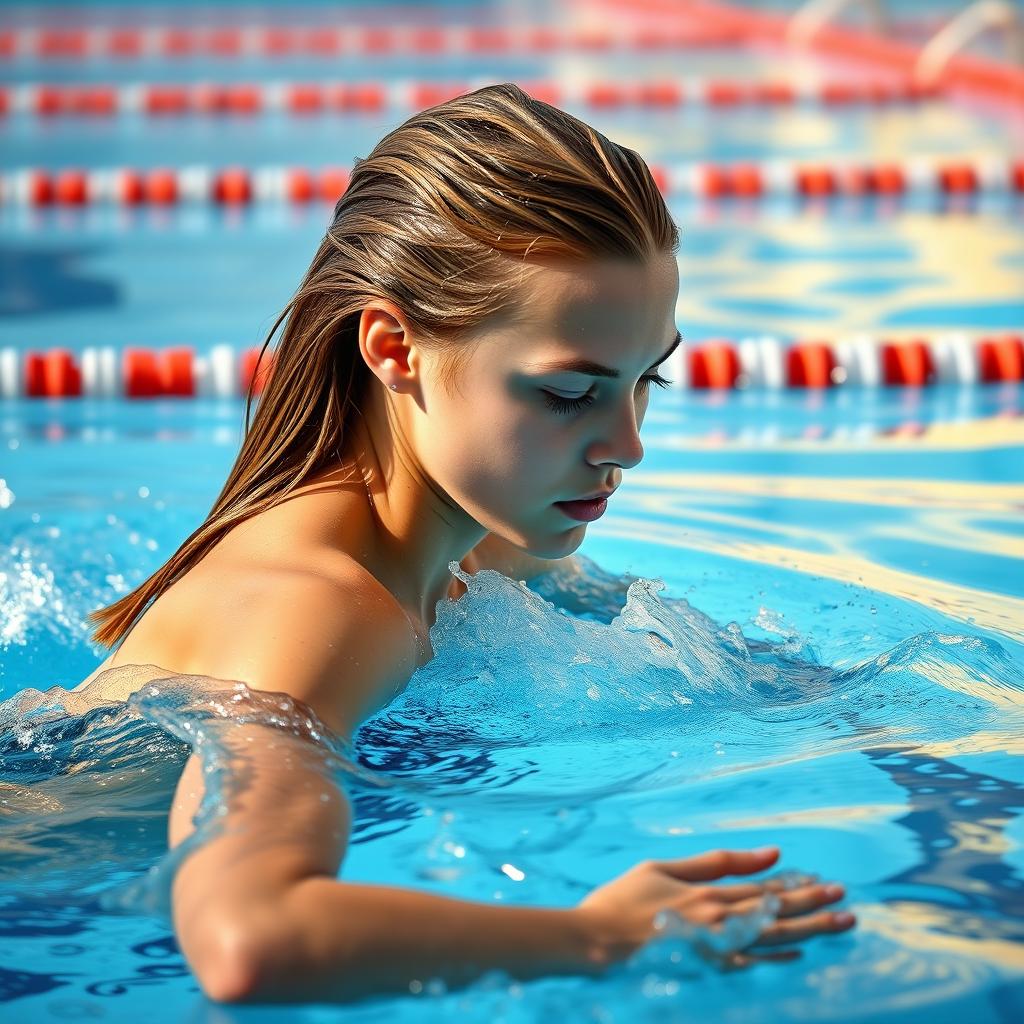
(561, 545)
(539, 541)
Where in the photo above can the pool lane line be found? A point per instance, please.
(753, 362)
(331, 41)
(991, 173)
(300, 98)
(858, 361)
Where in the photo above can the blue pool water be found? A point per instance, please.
(877, 738)
(835, 662)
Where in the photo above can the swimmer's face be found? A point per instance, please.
(521, 430)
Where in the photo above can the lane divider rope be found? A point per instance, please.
(269, 41)
(717, 363)
(991, 173)
(158, 99)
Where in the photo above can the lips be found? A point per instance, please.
(584, 511)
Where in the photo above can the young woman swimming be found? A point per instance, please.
(462, 377)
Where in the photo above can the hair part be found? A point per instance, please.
(435, 220)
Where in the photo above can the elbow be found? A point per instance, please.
(227, 970)
(229, 967)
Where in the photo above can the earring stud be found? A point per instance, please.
(394, 387)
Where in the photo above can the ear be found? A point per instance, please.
(386, 345)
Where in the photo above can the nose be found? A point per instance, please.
(624, 447)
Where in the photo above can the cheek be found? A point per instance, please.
(509, 448)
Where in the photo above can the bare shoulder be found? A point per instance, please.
(333, 636)
(337, 640)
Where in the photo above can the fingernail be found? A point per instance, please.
(763, 851)
(833, 892)
(843, 918)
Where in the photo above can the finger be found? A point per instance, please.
(740, 891)
(715, 863)
(795, 900)
(753, 905)
(807, 898)
(798, 928)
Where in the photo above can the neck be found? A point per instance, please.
(417, 527)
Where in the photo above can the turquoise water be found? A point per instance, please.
(832, 661)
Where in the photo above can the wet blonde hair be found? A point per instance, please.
(431, 221)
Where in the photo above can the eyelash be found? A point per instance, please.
(568, 405)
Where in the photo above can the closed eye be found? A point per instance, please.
(563, 405)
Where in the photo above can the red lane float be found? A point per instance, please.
(717, 363)
(162, 186)
(255, 370)
(52, 374)
(176, 375)
(295, 98)
(36, 187)
(71, 188)
(1001, 358)
(909, 364)
(232, 186)
(810, 364)
(141, 373)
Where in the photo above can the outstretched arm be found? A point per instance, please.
(262, 917)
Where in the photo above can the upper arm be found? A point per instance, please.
(340, 650)
(285, 819)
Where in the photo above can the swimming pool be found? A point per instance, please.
(870, 537)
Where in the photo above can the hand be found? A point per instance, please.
(627, 912)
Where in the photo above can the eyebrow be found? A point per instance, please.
(593, 369)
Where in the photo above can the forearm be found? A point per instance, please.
(339, 941)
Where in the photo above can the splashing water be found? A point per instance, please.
(598, 729)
